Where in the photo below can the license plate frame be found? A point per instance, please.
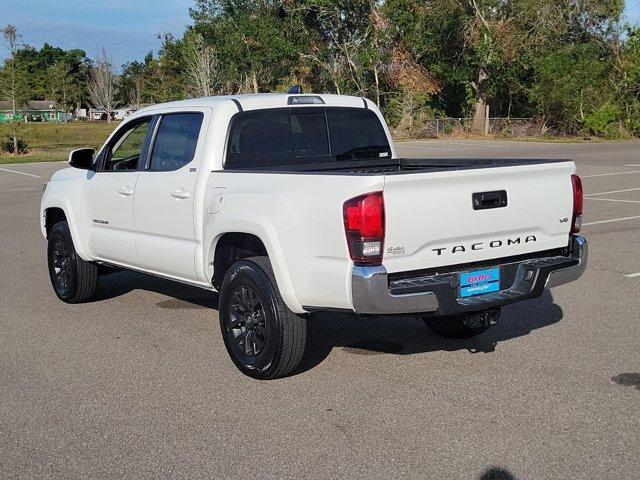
(479, 282)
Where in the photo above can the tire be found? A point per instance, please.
(73, 279)
(453, 327)
(263, 337)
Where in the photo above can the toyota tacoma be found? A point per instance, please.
(290, 204)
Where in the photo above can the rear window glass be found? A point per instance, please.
(291, 136)
(176, 141)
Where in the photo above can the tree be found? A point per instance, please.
(569, 84)
(133, 84)
(344, 46)
(60, 74)
(570, 62)
(14, 85)
(102, 84)
(56, 74)
(414, 86)
(202, 71)
(257, 42)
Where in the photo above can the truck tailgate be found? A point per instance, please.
(431, 220)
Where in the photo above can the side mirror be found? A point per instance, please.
(81, 158)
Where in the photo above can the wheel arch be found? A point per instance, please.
(231, 247)
(233, 244)
(52, 216)
(58, 210)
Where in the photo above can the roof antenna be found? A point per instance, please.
(295, 90)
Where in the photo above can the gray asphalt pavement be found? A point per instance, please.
(139, 385)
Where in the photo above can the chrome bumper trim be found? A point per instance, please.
(371, 294)
(370, 290)
(579, 250)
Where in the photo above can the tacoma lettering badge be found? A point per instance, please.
(482, 245)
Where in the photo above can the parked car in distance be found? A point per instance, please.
(290, 204)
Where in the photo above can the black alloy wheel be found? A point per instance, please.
(263, 337)
(247, 323)
(61, 265)
(73, 279)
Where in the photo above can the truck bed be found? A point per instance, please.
(396, 166)
(430, 218)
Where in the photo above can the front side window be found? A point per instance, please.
(291, 136)
(176, 141)
(124, 152)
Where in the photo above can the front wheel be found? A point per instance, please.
(263, 337)
(73, 279)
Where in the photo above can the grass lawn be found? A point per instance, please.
(52, 142)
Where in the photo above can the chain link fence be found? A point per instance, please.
(512, 127)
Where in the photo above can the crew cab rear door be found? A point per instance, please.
(165, 199)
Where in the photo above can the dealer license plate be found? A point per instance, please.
(479, 282)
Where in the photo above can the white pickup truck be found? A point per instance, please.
(288, 204)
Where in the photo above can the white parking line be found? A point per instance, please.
(427, 148)
(612, 200)
(19, 173)
(486, 145)
(609, 174)
(612, 191)
(611, 221)
(633, 275)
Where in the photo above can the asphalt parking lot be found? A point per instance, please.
(139, 385)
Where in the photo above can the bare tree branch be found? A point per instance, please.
(102, 84)
(202, 70)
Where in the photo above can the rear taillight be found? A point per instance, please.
(578, 203)
(364, 227)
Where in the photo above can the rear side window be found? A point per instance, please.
(175, 141)
(356, 133)
(292, 136)
(264, 133)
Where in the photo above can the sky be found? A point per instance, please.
(633, 10)
(127, 29)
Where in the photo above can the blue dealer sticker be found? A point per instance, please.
(479, 282)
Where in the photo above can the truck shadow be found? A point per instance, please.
(497, 473)
(355, 335)
(183, 296)
(409, 335)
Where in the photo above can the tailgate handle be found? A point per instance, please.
(487, 200)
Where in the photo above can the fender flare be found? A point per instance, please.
(65, 205)
(267, 235)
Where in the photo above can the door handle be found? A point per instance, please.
(126, 191)
(488, 200)
(181, 194)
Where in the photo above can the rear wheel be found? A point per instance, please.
(73, 279)
(263, 337)
(454, 326)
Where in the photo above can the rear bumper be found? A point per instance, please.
(373, 292)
